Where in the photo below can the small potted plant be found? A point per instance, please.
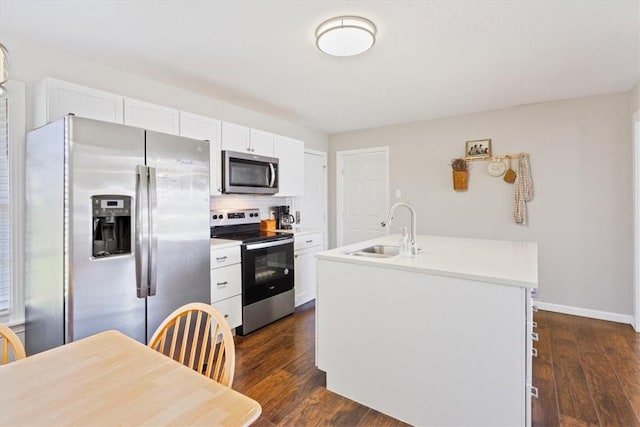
(460, 174)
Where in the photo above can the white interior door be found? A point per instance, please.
(313, 204)
(362, 194)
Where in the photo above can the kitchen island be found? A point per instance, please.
(442, 338)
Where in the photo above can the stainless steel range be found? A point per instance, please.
(267, 266)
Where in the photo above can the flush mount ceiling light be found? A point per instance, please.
(345, 36)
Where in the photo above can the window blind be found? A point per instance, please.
(5, 228)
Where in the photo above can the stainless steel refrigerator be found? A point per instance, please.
(117, 230)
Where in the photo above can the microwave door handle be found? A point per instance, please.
(153, 236)
(273, 175)
(141, 256)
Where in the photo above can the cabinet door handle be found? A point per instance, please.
(533, 391)
(534, 336)
(534, 324)
(295, 256)
(221, 258)
(534, 352)
(534, 293)
(308, 241)
(226, 315)
(534, 308)
(221, 284)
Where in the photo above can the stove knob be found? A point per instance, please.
(215, 217)
(221, 216)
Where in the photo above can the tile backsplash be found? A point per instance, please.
(263, 203)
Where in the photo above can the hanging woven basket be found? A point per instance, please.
(460, 180)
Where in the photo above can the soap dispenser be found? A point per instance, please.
(405, 244)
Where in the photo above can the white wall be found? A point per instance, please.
(29, 63)
(581, 164)
(635, 98)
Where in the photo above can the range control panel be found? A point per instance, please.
(234, 217)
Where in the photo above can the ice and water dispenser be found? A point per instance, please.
(111, 225)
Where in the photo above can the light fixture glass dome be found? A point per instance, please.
(345, 35)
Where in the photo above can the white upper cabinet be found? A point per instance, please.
(290, 155)
(199, 127)
(235, 137)
(246, 140)
(53, 99)
(262, 142)
(151, 116)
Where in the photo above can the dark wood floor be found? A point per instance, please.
(587, 372)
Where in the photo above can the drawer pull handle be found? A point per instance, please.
(308, 241)
(221, 284)
(272, 287)
(534, 352)
(221, 258)
(534, 336)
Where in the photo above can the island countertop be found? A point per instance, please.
(495, 261)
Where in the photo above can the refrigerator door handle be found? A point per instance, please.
(153, 236)
(142, 237)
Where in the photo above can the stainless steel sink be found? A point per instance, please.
(376, 251)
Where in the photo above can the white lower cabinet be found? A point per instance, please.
(231, 308)
(226, 284)
(306, 247)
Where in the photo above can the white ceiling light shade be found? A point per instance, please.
(345, 35)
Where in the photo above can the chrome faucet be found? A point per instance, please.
(412, 230)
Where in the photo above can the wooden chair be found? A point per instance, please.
(9, 340)
(191, 335)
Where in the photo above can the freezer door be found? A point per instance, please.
(104, 159)
(179, 222)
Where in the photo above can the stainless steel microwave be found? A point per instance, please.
(247, 173)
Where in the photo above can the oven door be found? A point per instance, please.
(245, 173)
(267, 270)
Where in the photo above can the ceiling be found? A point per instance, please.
(431, 59)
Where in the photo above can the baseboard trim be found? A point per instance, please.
(305, 297)
(585, 312)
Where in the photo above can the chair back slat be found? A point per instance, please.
(195, 338)
(194, 330)
(205, 344)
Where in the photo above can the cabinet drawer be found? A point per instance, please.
(307, 241)
(226, 282)
(224, 257)
(231, 308)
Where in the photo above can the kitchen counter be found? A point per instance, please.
(494, 261)
(302, 231)
(420, 338)
(217, 243)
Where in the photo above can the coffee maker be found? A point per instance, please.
(284, 219)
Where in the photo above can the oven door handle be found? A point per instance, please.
(253, 246)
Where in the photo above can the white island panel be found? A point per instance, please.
(438, 339)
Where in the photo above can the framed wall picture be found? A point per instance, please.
(478, 148)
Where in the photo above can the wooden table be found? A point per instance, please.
(110, 379)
